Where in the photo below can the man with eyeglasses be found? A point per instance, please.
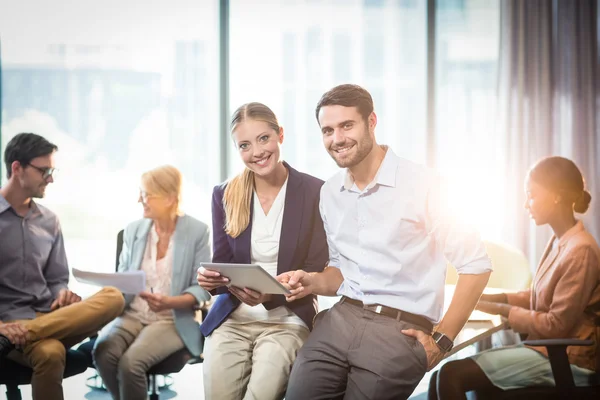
(39, 316)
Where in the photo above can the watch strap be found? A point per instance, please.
(442, 341)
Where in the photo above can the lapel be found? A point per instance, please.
(243, 242)
(546, 260)
(139, 243)
(551, 254)
(292, 221)
(180, 238)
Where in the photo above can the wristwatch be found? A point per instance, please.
(442, 341)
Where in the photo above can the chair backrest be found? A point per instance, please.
(511, 268)
(119, 247)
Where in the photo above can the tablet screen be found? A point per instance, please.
(251, 276)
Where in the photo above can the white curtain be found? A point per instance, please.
(549, 98)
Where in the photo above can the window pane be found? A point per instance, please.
(120, 87)
(467, 148)
(287, 54)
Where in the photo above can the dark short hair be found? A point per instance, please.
(347, 95)
(562, 176)
(25, 147)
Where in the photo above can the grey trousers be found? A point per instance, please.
(357, 354)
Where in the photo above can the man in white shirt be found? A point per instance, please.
(389, 237)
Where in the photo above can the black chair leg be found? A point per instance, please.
(13, 392)
(95, 382)
(154, 392)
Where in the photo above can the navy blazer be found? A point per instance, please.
(302, 245)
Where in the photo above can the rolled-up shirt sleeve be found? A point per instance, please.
(461, 244)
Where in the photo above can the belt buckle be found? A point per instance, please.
(376, 308)
(372, 307)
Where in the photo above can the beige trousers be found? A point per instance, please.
(250, 361)
(128, 350)
(51, 333)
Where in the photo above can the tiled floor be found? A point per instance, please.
(187, 386)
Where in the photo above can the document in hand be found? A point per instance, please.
(132, 282)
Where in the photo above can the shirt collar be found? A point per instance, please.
(153, 235)
(5, 205)
(575, 229)
(386, 174)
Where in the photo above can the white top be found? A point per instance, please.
(266, 232)
(159, 274)
(392, 239)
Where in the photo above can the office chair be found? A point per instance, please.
(511, 268)
(512, 272)
(565, 387)
(170, 365)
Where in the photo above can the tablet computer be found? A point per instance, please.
(251, 276)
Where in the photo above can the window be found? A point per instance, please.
(468, 150)
(138, 86)
(120, 87)
(287, 54)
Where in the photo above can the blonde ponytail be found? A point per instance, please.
(237, 199)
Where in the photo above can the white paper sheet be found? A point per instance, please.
(132, 282)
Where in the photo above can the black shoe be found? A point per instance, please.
(6, 346)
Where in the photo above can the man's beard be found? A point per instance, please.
(362, 149)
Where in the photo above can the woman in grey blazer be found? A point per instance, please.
(168, 246)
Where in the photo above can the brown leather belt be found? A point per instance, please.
(398, 315)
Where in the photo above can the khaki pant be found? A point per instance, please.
(128, 350)
(250, 361)
(52, 332)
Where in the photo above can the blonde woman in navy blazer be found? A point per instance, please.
(269, 214)
(168, 246)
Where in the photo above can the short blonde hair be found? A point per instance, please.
(164, 181)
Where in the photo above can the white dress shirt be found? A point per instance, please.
(264, 251)
(392, 240)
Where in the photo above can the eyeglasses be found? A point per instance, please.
(145, 195)
(46, 172)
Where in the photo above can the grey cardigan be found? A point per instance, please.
(191, 247)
